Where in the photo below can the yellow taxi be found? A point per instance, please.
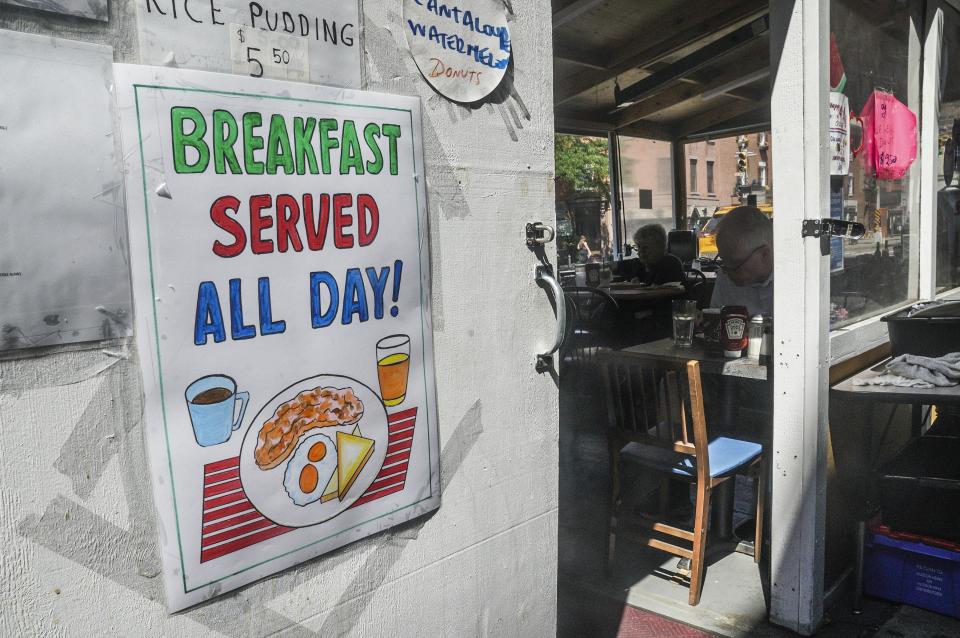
(708, 234)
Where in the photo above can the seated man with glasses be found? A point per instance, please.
(745, 247)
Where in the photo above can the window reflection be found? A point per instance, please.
(874, 58)
(582, 198)
(948, 195)
(646, 180)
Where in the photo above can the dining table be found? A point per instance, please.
(708, 353)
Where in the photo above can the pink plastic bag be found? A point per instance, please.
(889, 144)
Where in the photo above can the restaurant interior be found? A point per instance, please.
(663, 117)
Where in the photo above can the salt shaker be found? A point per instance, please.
(766, 348)
(755, 342)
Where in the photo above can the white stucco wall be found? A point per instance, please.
(77, 528)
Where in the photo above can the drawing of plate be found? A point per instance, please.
(264, 488)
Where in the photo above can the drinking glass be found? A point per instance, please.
(684, 318)
(393, 367)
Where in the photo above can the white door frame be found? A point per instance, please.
(929, 149)
(799, 47)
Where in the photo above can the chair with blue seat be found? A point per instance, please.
(657, 421)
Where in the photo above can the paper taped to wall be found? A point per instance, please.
(205, 37)
(93, 9)
(262, 54)
(63, 246)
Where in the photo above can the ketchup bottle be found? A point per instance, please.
(733, 330)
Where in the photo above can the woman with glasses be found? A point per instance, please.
(745, 248)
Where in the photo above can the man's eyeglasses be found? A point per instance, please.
(729, 269)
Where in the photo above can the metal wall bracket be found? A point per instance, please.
(544, 363)
(539, 234)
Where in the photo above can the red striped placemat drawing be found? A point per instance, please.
(230, 521)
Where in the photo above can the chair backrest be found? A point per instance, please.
(591, 322)
(594, 306)
(701, 291)
(683, 245)
(657, 403)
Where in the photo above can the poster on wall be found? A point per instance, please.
(461, 48)
(63, 249)
(299, 40)
(93, 9)
(282, 292)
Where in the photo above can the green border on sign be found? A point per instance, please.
(156, 326)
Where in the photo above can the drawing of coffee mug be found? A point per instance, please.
(212, 401)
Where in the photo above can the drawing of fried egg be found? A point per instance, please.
(310, 468)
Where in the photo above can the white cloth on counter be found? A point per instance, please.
(914, 371)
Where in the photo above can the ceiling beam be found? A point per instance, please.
(590, 59)
(700, 123)
(712, 25)
(696, 60)
(577, 125)
(689, 89)
(573, 11)
(732, 87)
(663, 100)
(738, 93)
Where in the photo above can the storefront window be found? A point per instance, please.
(646, 181)
(875, 56)
(948, 189)
(737, 173)
(582, 197)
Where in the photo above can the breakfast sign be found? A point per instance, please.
(281, 286)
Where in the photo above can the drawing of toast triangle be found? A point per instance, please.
(353, 452)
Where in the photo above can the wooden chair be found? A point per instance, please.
(656, 419)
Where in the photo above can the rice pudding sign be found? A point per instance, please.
(301, 40)
(461, 48)
(281, 285)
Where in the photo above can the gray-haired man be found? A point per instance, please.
(745, 246)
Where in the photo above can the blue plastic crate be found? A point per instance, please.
(912, 573)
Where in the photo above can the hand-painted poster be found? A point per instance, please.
(281, 288)
(303, 40)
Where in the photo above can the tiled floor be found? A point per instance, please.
(642, 586)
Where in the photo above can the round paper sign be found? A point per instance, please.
(462, 48)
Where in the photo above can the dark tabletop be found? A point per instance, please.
(710, 356)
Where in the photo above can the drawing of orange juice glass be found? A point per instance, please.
(393, 368)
